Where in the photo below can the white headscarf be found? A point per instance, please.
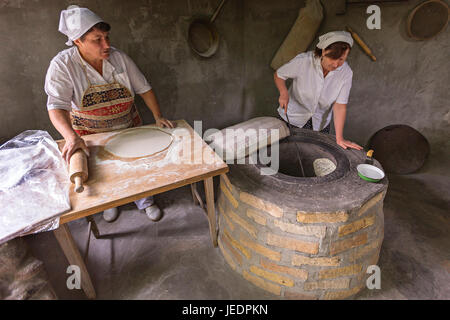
(334, 36)
(75, 21)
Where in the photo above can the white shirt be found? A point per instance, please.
(65, 82)
(310, 95)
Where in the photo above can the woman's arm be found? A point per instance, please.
(152, 103)
(339, 112)
(61, 121)
(283, 100)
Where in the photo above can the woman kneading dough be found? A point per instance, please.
(321, 85)
(91, 88)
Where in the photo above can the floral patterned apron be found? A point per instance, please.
(105, 108)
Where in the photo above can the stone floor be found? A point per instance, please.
(175, 259)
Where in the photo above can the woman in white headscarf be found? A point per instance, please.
(91, 88)
(321, 85)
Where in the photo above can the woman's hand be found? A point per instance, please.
(348, 144)
(163, 122)
(284, 100)
(71, 145)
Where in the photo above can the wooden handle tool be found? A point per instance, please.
(362, 44)
(78, 169)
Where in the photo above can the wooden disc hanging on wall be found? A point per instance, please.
(427, 20)
(399, 148)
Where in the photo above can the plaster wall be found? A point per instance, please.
(408, 84)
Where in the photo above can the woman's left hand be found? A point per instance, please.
(348, 144)
(163, 122)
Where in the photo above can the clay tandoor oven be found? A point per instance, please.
(303, 237)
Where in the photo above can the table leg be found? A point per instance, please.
(193, 190)
(209, 191)
(93, 226)
(73, 255)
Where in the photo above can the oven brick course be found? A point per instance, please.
(356, 225)
(371, 203)
(266, 285)
(339, 272)
(226, 255)
(260, 204)
(296, 254)
(327, 284)
(350, 243)
(298, 260)
(292, 244)
(241, 222)
(317, 217)
(256, 216)
(261, 249)
(228, 194)
(316, 231)
(277, 278)
(234, 243)
(298, 296)
(294, 272)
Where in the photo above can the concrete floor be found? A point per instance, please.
(174, 258)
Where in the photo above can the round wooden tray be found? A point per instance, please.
(427, 20)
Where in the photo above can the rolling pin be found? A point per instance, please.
(78, 169)
(362, 44)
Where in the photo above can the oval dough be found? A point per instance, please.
(138, 142)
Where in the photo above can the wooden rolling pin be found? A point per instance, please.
(78, 169)
(361, 43)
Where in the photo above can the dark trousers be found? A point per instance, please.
(308, 125)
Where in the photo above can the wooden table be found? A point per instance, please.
(113, 182)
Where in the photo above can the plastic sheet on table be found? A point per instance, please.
(34, 185)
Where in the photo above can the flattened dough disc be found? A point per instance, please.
(138, 142)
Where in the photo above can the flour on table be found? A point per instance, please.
(138, 142)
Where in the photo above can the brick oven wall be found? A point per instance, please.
(295, 254)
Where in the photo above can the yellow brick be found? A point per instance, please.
(317, 217)
(236, 244)
(339, 272)
(244, 224)
(256, 216)
(298, 260)
(342, 294)
(228, 194)
(228, 222)
(275, 289)
(295, 272)
(271, 254)
(316, 231)
(360, 252)
(292, 244)
(225, 217)
(272, 276)
(227, 181)
(347, 244)
(219, 205)
(369, 204)
(298, 296)
(327, 284)
(222, 200)
(356, 225)
(227, 245)
(227, 256)
(260, 204)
